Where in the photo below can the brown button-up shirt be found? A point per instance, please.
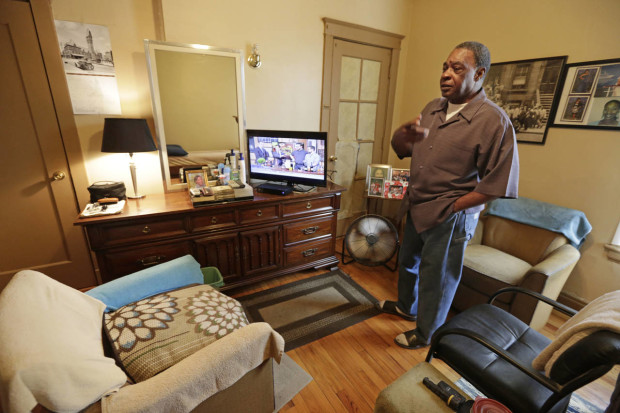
(475, 150)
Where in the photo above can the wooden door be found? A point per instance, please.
(39, 203)
(357, 118)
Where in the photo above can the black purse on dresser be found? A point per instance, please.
(106, 189)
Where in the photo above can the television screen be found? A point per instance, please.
(293, 157)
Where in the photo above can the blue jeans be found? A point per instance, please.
(430, 266)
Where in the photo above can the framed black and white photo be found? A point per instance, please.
(527, 91)
(590, 96)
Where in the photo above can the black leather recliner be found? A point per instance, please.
(494, 350)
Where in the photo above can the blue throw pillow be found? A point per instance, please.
(151, 281)
(176, 150)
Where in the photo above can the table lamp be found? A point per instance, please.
(128, 136)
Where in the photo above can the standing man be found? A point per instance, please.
(299, 155)
(463, 154)
(312, 160)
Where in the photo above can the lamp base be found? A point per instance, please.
(136, 196)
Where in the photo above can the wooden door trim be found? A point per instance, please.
(44, 22)
(336, 29)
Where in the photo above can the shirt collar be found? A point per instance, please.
(468, 111)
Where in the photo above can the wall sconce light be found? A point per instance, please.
(254, 58)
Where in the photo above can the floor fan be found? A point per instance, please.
(371, 240)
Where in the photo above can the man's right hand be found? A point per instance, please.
(406, 135)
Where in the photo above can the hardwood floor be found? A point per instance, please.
(352, 366)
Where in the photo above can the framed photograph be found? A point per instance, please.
(590, 96)
(401, 175)
(527, 90)
(395, 189)
(376, 175)
(375, 189)
(196, 178)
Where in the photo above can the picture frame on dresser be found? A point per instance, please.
(590, 96)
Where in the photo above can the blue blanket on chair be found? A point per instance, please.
(571, 223)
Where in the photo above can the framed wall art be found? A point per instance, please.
(590, 96)
(527, 91)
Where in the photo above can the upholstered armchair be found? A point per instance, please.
(521, 243)
(61, 349)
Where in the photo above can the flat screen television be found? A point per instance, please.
(290, 157)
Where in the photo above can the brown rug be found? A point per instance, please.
(306, 310)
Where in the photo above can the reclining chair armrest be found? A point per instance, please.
(558, 306)
(558, 260)
(436, 338)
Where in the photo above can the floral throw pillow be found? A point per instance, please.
(152, 334)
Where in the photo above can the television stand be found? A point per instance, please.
(276, 189)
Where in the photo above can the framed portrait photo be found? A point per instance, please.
(376, 175)
(527, 91)
(196, 178)
(590, 96)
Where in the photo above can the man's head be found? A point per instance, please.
(299, 146)
(463, 72)
(611, 110)
(311, 148)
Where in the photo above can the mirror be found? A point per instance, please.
(198, 104)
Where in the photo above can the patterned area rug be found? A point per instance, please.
(306, 310)
(576, 405)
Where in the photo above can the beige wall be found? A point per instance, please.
(575, 168)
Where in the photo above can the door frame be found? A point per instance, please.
(336, 29)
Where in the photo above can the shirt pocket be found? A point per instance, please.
(455, 159)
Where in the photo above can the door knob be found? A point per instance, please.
(58, 176)
(333, 158)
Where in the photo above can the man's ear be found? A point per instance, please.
(480, 73)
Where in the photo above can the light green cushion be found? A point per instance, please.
(495, 264)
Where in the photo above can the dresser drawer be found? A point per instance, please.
(310, 206)
(119, 262)
(262, 214)
(136, 231)
(213, 219)
(308, 229)
(308, 252)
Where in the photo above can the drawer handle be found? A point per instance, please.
(213, 220)
(308, 205)
(259, 213)
(152, 260)
(146, 229)
(310, 252)
(310, 230)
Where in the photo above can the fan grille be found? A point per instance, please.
(371, 240)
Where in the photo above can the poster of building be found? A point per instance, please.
(88, 60)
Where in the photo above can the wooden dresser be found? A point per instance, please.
(248, 241)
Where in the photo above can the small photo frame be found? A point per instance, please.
(196, 178)
(376, 170)
(401, 175)
(395, 189)
(375, 189)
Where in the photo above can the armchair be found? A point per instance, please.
(504, 358)
(53, 350)
(521, 243)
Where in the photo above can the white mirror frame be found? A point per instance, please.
(150, 46)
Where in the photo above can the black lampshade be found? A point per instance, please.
(127, 135)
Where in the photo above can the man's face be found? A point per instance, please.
(460, 80)
(610, 111)
(297, 147)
